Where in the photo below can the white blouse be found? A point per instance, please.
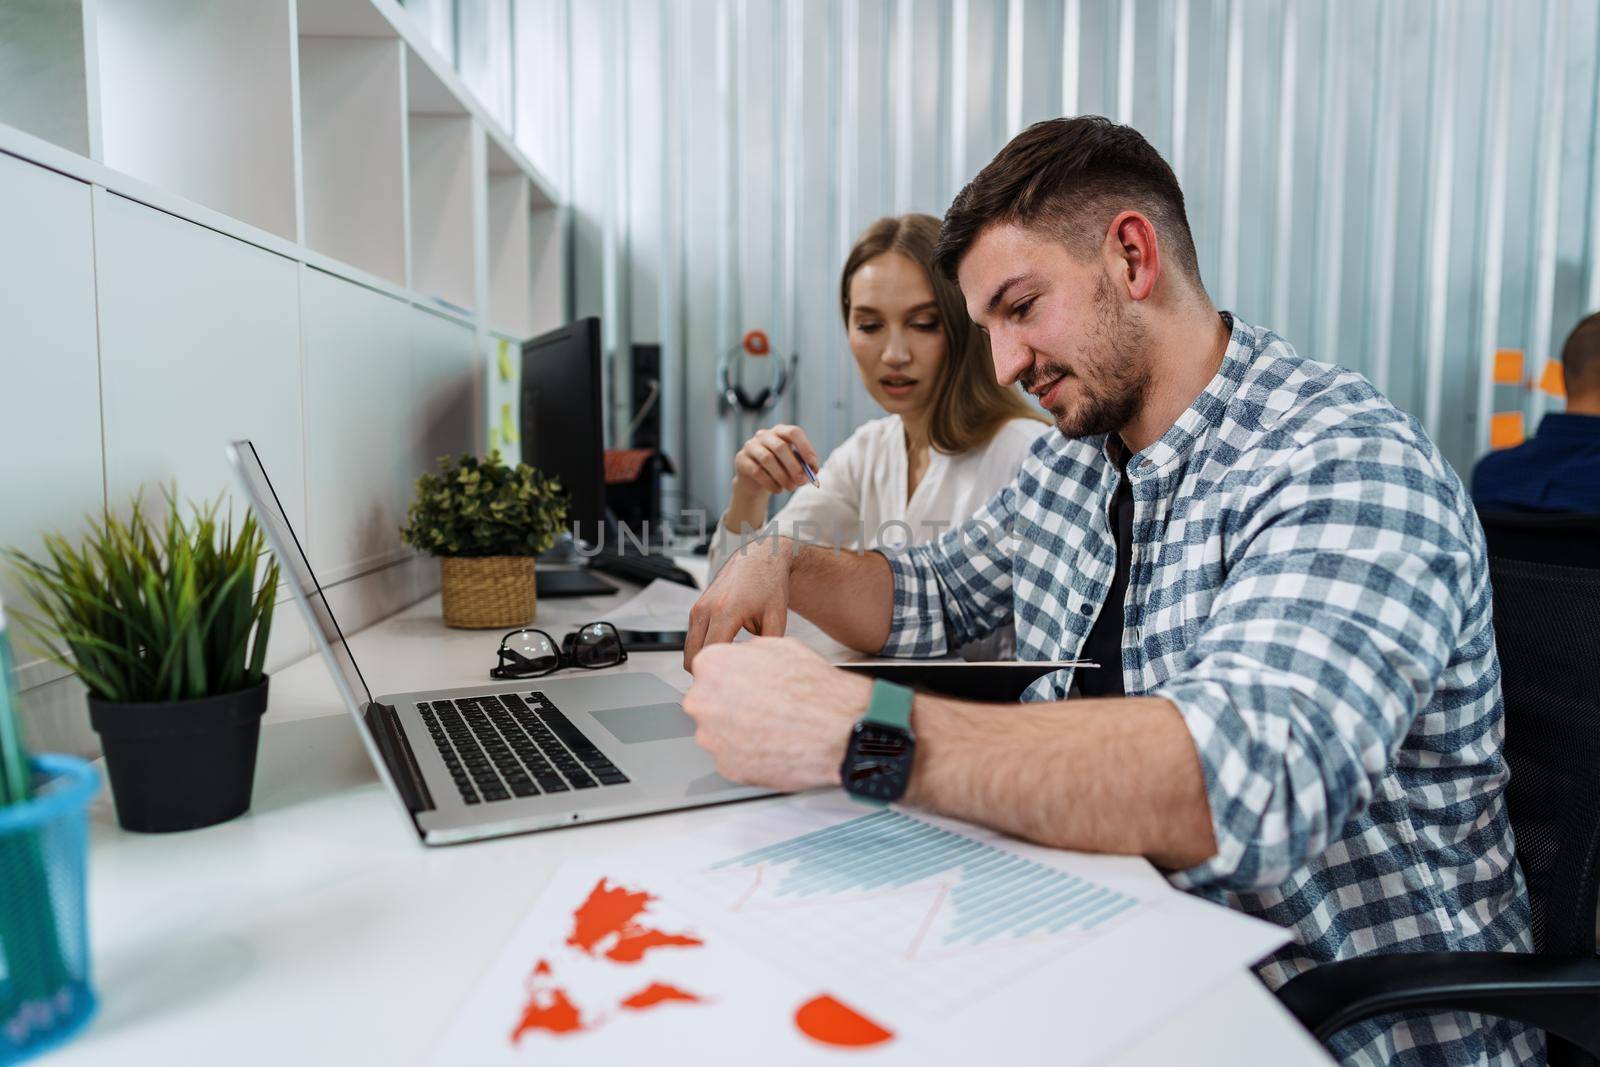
(861, 501)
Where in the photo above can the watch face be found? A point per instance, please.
(878, 762)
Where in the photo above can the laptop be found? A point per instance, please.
(507, 757)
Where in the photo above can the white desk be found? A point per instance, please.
(317, 929)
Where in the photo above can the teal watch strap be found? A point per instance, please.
(890, 705)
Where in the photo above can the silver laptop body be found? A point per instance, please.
(632, 723)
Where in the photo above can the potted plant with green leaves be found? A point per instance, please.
(166, 623)
(486, 520)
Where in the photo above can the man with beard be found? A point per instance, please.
(1298, 711)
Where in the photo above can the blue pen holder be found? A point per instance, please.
(44, 932)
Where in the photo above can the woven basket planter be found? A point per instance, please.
(488, 592)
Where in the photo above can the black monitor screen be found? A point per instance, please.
(562, 428)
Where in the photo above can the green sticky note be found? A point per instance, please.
(505, 361)
(508, 427)
(494, 438)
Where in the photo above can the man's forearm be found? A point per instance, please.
(848, 594)
(1116, 776)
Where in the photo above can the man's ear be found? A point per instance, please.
(1137, 253)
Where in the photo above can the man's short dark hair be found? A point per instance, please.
(1069, 178)
(1580, 358)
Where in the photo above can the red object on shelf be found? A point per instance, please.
(624, 465)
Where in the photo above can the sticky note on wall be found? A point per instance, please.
(1551, 381)
(1508, 364)
(508, 425)
(1506, 430)
(504, 360)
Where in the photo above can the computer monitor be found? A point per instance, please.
(562, 425)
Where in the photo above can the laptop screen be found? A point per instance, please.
(297, 569)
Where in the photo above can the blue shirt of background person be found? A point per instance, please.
(1558, 470)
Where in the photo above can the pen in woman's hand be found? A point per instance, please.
(811, 475)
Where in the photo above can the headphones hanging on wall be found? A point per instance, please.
(729, 376)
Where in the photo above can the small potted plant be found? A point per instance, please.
(485, 521)
(167, 627)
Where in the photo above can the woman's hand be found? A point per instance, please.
(767, 464)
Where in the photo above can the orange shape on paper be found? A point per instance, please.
(608, 916)
(550, 1010)
(1508, 365)
(1506, 430)
(604, 925)
(1552, 380)
(657, 993)
(826, 1020)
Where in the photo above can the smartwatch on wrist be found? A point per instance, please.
(877, 762)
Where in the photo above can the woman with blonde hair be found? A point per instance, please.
(952, 438)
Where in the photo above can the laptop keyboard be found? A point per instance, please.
(506, 745)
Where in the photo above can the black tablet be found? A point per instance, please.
(1001, 681)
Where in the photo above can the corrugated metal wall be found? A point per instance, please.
(1401, 186)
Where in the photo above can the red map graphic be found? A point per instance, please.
(656, 993)
(607, 919)
(605, 926)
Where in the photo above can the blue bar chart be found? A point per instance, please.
(921, 907)
(991, 893)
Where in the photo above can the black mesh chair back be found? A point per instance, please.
(1547, 631)
(1565, 540)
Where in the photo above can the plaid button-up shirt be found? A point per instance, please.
(1309, 589)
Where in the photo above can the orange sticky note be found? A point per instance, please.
(1508, 366)
(1551, 380)
(1505, 429)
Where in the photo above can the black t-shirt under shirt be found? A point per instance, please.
(1104, 644)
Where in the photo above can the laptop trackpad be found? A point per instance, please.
(649, 722)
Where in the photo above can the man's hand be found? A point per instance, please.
(773, 713)
(750, 593)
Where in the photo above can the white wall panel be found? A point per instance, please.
(50, 458)
(358, 411)
(200, 344)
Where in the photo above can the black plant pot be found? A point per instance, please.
(184, 764)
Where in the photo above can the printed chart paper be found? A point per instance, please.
(603, 971)
(814, 930)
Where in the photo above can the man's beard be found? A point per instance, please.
(1112, 372)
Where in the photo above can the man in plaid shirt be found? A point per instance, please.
(1299, 710)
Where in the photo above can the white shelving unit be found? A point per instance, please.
(510, 244)
(327, 131)
(353, 137)
(276, 218)
(441, 134)
(45, 86)
(198, 99)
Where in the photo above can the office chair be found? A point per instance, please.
(1547, 630)
(1566, 540)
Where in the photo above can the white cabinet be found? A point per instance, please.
(50, 459)
(358, 420)
(200, 345)
(444, 398)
